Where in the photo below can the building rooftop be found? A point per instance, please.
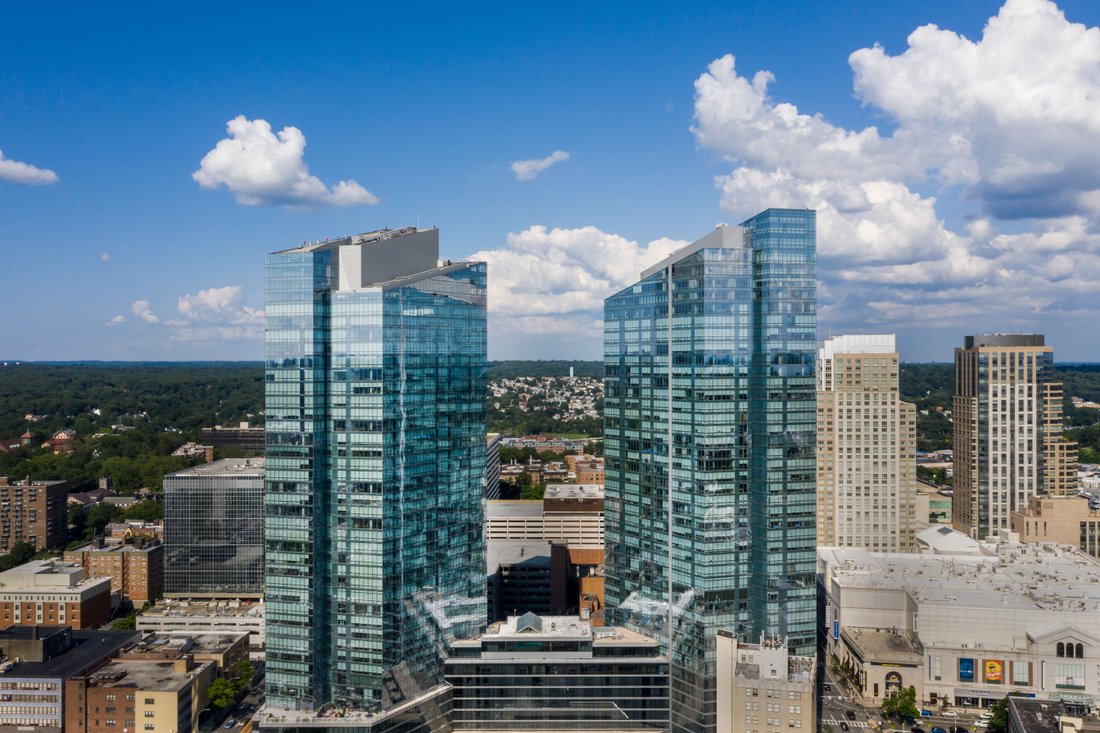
(201, 608)
(117, 546)
(226, 467)
(48, 575)
(1037, 716)
(561, 627)
(1004, 339)
(530, 552)
(858, 344)
(573, 491)
(88, 647)
(143, 674)
(722, 236)
(884, 646)
(1000, 574)
(513, 508)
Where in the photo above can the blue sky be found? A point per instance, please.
(426, 108)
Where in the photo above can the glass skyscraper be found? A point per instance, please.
(709, 426)
(375, 399)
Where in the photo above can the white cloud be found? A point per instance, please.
(528, 170)
(554, 281)
(13, 171)
(1009, 121)
(260, 166)
(142, 310)
(116, 320)
(104, 257)
(216, 314)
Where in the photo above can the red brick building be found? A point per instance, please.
(35, 512)
(136, 570)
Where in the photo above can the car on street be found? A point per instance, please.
(850, 714)
(950, 714)
(827, 688)
(916, 729)
(937, 729)
(843, 725)
(231, 723)
(960, 729)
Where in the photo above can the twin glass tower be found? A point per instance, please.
(709, 429)
(375, 368)
(375, 397)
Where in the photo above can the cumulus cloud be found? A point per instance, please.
(1008, 121)
(117, 320)
(104, 257)
(142, 310)
(554, 281)
(528, 170)
(13, 171)
(260, 166)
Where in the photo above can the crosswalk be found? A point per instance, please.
(851, 723)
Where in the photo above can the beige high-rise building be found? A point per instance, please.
(866, 447)
(1008, 442)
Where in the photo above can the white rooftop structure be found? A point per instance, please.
(857, 344)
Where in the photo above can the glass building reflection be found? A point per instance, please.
(375, 399)
(709, 447)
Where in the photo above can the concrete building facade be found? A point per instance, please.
(866, 447)
(964, 621)
(1008, 444)
(763, 689)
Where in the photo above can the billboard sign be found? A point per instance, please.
(966, 670)
(994, 671)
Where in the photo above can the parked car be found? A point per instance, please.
(916, 729)
(937, 729)
(851, 715)
(843, 725)
(231, 723)
(960, 729)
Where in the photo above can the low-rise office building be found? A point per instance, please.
(965, 622)
(37, 662)
(136, 570)
(1041, 716)
(139, 695)
(763, 688)
(55, 594)
(556, 673)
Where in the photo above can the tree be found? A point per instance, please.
(222, 693)
(244, 672)
(147, 510)
(902, 704)
(77, 520)
(99, 517)
(998, 722)
(126, 623)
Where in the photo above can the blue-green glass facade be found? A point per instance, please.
(709, 444)
(375, 414)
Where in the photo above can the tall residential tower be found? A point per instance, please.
(1008, 443)
(375, 367)
(709, 428)
(866, 447)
